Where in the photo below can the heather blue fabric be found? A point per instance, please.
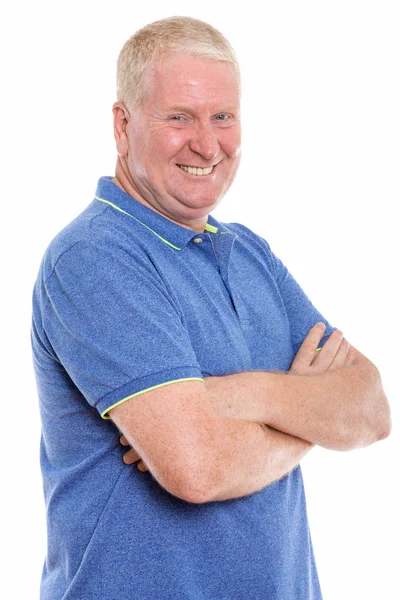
(117, 310)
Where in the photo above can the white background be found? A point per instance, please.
(319, 179)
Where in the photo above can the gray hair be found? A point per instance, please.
(182, 35)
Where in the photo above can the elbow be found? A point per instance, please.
(379, 416)
(365, 419)
(190, 489)
(184, 482)
(361, 437)
(196, 496)
(367, 433)
(385, 428)
(195, 482)
(373, 423)
(205, 477)
(197, 491)
(203, 486)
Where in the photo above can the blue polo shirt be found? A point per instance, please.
(127, 301)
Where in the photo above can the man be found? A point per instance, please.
(192, 339)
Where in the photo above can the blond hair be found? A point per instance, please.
(182, 35)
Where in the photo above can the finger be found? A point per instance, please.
(328, 352)
(123, 441)
(308, 348)
(341, 356)
(130, 457)
(142, 466)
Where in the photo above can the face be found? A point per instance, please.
(183, 143)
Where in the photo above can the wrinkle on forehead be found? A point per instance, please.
(178, 80)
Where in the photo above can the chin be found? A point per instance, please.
(201, 206)
(201, 199)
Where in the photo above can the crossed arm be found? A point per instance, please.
(245, 431)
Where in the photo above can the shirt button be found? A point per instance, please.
(197, 240)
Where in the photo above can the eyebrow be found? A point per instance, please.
(178, 108)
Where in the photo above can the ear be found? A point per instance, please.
(121, 119)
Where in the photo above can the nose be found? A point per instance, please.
(204, 141)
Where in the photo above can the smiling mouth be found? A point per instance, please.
(196, 170)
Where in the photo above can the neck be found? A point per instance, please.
(123, 180)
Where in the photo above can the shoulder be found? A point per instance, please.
(75, 232)
(92, 239)
(246, 235)
(251, 243)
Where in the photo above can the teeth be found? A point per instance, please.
(196, 170)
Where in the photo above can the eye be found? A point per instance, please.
(223, 120)
(178, 120)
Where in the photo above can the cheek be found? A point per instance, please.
(168, 144)
(230, 143)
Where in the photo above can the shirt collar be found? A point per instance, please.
(170, 233)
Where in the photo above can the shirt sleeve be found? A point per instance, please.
(301, 312)
(113, 326)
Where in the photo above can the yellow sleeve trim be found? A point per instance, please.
(154, 387)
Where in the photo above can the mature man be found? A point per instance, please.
(192, 339)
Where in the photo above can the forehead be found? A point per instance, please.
(180, 80)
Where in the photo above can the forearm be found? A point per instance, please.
(340, 410)
(251, 456)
